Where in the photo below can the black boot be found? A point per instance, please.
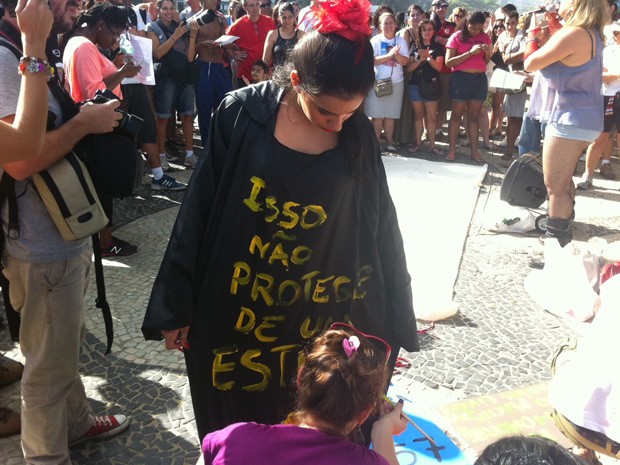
(559, 229)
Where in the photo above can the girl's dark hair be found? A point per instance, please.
(526, 450)
(422, 23)
(400, 20)
(335, 388)
(380, 10)
(326, 65)
(286, 6)
(477, 17)
(111, 15)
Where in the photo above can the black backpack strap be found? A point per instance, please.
(7, 192)
(101, 301)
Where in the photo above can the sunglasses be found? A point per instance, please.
(441, 5)
(376, 341)
(265, 5)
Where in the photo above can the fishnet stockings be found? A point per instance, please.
(560, 157)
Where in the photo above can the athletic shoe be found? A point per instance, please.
(607, 171)
(119, 248)
(167, 183)
(191, 162)
(584, 184)
(104, 427)
(171, 157)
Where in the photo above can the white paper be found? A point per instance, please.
(143, 56)
(225, 40)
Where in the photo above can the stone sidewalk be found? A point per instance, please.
(499, 340)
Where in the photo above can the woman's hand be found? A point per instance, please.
(130, 69)
(176, 338)
(394, 50)
(178, 32)
(424, 54)
(477, 49)
(193, 26)
(34, 18)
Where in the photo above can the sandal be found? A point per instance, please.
(451, 156)
(414, 149)
(436, 151)
(477, 158)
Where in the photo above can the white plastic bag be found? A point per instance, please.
(513, 220)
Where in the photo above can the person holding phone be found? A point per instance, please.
(467, 52)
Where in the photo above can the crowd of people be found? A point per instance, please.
(284, 282)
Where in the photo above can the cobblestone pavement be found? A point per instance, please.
(500, 339)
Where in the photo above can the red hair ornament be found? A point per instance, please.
(347, 18)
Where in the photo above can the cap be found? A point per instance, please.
(615, 27)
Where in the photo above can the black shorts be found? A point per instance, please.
(136, 102)
(611, 109)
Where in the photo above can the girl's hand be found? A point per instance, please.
(193, 25)
(176, 338)
(476, 49)
(34, 18)
(391, 418)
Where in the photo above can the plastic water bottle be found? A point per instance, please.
(126, 48)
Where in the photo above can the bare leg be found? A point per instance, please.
(187, 126)
(162, 127)
(418, 120)
(473, 113)
(430, 117)
(512, 132)
(388, 126)
(483, 124)
(497, 115)
(458, 109)
(377, 124)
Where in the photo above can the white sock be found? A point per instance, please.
(605, 162)
(189, 154)
(158, 173)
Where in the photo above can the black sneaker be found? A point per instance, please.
(119, 248)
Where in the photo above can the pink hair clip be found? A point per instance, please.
(350, 345)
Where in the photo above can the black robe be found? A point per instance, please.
(270, 246)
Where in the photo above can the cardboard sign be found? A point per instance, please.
(482, 420)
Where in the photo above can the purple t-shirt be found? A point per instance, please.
(475, 61)
(245, 443)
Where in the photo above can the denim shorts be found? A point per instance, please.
(467, 86)
(170, 96)
(415, 95)
(566, 131)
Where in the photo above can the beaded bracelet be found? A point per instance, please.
(35, 65)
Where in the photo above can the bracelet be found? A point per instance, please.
(35, 65)
(192, 37)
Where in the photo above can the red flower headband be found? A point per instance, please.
(347, 18)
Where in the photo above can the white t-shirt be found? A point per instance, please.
(611, 61)
(586, 388)
(381, 46)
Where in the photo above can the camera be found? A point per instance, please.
(129, 125)
(204, 18)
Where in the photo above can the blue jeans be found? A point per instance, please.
(531, 135)
(215, 82)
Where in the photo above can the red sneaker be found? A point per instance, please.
(104, 427)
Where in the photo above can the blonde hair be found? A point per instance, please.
(459, 10)
(589, 14)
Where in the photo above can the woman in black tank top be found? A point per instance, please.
(280, 41)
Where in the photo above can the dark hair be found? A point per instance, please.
(513, 15)
(400, 20)
(508, 7)
(111, 15)
(380, 10)
(423, 22)
(326, 65)
(477, 17)
(526, 450)
(285, 6)
(336, 388)
(262, 64)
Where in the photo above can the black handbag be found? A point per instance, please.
(430, 83)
